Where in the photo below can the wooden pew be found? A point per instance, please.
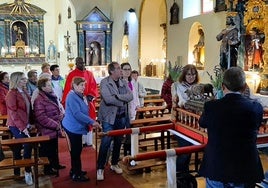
(4, 131)
(147, 138)
(150, 111)
(154, 102)
(153, 96)
(10, 163)
(34, 141)
(150, 121)
(3, 119)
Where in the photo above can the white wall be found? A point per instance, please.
(117, 11)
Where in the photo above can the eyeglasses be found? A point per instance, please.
(126, 69)
(189, 74)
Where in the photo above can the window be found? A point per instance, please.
(207, 6)
(196, 7)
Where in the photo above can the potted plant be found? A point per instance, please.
(174, 71)
(217, 80)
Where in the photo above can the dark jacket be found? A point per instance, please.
(47, 114)
(166, 92)
(231, 154)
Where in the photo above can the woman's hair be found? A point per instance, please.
(2, 75)
(42, 83)
(77, 80)
(31, 73)
(15, 78)
(185, 70)
(124, 64)
(44, 65)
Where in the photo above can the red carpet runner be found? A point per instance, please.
(88, 164)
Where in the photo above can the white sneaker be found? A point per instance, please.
(100, 176)
(28, 178)
(117, 169)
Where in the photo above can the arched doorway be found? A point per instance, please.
(153, 20)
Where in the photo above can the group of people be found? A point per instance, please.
(32, 103)
(232, 124)
(71, 105)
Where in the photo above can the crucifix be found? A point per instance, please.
(68, 46)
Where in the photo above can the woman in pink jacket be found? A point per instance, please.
(20, 118)
(4, 86)
(48, 117)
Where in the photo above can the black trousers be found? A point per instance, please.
(76, 150)
(49, 149)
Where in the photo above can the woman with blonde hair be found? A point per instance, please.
(20, 118)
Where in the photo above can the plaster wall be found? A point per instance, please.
(117, 11)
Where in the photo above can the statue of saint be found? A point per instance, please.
(229, 43)
(94, 56)
(51, 52)
(199, 48)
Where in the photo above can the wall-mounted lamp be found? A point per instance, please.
(131, 10)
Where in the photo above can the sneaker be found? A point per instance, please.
(28, 178)
(117, 169)
(100, 176)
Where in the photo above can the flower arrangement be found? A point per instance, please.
(174, 71)
(217, 80)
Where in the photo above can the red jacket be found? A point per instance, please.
(17, 110)
(3, 93)
(91, 88)
(47, 115)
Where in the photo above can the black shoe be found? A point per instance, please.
(82, 173)
(80, 178)
(50, 172)
(59, 167)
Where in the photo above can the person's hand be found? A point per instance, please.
(97, 125)
(26, 132)
(29, 126)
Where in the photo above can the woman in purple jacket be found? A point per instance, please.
(48, 117)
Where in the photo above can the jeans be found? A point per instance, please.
(183, 160)
(119, 123)
(27, 149)
(218, 184)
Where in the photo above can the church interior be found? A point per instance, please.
(154, 36)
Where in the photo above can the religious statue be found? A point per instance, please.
(94, 56)
(174, 14)
(230, 41)
(17, 34)
(199, 48)
(51, 52)
(255, 51)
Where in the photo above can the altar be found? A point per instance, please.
(21, 33)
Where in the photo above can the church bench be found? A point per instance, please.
(152, 96)
(154, 102)
(35, 162)
(149, 121)
(10, 163)
(150, 111)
